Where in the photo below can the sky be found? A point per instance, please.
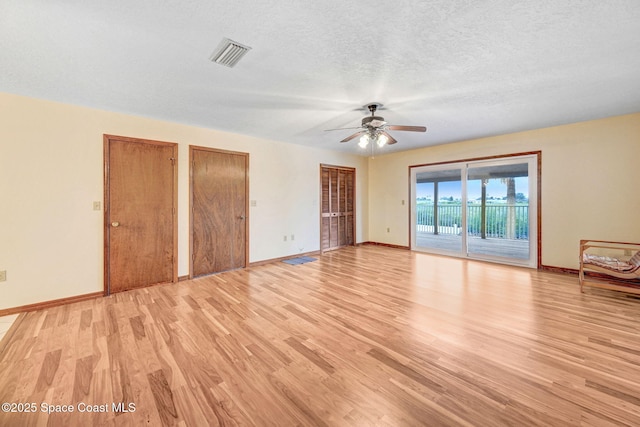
(495, 189)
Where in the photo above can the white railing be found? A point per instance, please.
(500, 221)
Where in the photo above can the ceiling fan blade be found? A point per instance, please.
(407, 128)
(327, 130)
(350, 137)
(391, 139)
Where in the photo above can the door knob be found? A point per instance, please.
(115, 224)
(242, 217)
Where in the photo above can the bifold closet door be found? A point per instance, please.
(337, 207)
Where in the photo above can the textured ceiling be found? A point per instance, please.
(463, 68)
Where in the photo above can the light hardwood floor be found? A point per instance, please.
(5, 323)
(363, 336)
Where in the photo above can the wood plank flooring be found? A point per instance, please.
(366, 335)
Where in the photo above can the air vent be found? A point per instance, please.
(229, 52)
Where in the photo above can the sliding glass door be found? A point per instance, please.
(485, 209)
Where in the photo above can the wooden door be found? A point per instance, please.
(337, 207)
(141, 232)
(219, 223)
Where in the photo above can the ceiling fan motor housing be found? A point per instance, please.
(373, 121)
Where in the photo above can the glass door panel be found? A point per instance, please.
(438, 210)
(498, 210)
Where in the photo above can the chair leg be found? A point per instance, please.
(581, 271)
(581, 279)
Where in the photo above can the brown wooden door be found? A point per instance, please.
(140, 220)
(219, 223)
(337, 207)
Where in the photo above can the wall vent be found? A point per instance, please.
(229, 52)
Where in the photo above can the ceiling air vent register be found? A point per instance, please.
(229, 52)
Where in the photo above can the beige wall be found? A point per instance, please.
(51, 241)
(590, 181)
(51, 163)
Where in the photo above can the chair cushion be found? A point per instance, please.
(614, 264)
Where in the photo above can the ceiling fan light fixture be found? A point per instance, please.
(364, 140)
(374, 130)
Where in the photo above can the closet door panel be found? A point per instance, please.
(336, 207)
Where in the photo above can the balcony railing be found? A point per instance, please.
(500, 221)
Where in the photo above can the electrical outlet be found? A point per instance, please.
(3, 276)
(388, 230)
(254, 203)
(285, 237)
(96, 206)
(293, 237)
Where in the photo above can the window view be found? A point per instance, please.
(438, 210)
(476, 209)
(498, 211)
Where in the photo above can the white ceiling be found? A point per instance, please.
(463, 68)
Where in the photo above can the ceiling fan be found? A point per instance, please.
(374, 129)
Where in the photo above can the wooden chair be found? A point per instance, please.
(611, 268)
